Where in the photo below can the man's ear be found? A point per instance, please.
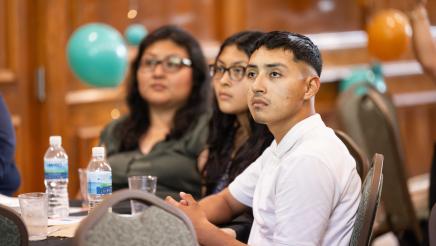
(312, 86)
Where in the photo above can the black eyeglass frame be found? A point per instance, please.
(166, 63)
(213, 73)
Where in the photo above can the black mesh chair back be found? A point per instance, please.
(158, 225)
(13, 231)
(373, 126)
(432, 226)
(362, 164)
(369, 201)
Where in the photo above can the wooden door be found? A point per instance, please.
(16, 85)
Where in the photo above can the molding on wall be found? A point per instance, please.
(344, 40)
(414, 98)
(7, 76)
(94, 95)
(390, 69)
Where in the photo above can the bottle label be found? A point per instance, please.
(99, 183)
(56, 168)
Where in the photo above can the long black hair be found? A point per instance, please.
(223, 127)
(138, 119)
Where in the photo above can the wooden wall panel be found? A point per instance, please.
(14, 81)
(304, 16)
(415, 120)
(198, 17)
(85, 138)
(415, 125)
(3, 46)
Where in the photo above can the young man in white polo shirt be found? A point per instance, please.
(304, 189)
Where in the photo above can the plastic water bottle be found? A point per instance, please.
(99, 178)
(56, 178)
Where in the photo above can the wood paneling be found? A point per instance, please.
(3, 40)
(84, 139)
(305, 17)
(15, 78)
(6, 76)
(416, 121)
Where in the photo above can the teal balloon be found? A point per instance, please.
(97, 55)
(135, 33)
(378, 81)
(372, 75)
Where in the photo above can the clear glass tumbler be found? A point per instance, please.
(144, 183)
(34, 213)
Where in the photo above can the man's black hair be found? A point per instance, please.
(301, 46)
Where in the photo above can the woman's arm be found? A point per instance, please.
(423, 43)
(201, 163)
(9, 175)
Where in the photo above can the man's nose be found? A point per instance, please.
(258, 85)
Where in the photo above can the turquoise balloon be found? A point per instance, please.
(379, 81)
(373, 75)
(97, 55)
(135, 33)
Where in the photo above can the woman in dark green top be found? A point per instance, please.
(166, 127)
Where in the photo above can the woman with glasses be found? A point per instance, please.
(166, 127)
(235, 140)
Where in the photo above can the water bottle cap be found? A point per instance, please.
(98, 151)
(55, 140)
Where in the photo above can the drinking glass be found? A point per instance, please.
(144, 183)
(83, 173)
(34, 213)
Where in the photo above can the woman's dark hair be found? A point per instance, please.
(138, 119)
(223, 127)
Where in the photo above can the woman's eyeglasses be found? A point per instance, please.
(170, 64)
(236, 73)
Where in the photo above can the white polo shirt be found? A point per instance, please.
(304, 191)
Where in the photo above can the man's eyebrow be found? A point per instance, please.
(273, 65)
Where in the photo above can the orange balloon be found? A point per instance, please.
(388, 34)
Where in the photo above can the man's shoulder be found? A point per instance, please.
(323, 147)
(320, 141)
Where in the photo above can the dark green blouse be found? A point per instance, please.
(174, 162)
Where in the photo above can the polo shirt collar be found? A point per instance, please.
(296, 133)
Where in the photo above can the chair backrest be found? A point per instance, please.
(13, 231)
(373, 126)
(347, 111)
(432, 226)
(371, 192)
(159, 224)
(362, 164)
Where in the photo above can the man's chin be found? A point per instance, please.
(259, 119)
